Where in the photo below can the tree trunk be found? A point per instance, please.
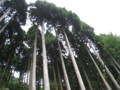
(6, 13)
(45, 65)
(1, 78)
(55, 80)
(28, 71)
(33, 68)
(113, 59)
(63, 67)
(28, 76)
(107, 70)
(116, 63)
(80, 81)
(116, 69)
(3, 28)
(87, 78)
(59, 78)
(101, 75)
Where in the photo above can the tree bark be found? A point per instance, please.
(116, 69)
(116, 63)
(55, 80)
(113, 59)
(32, 84)
(3, 28)
(99, 71)
(80, 81)
(59, 78)
(107, 70)
(63, 66)
(1, 78)
(87, 78)
(6, 13)
(45, 65)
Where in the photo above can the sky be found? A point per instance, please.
(102, 15)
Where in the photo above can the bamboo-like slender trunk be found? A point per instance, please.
(116, 63)
(63, 66)
(109, 74)
(3, 28)
(116, 69)
(107, 70)
(28, 71)
(6, 13)
(28, 75)
(55, 79)
(59, 78)
(80, 81)
(99, 71)
(113, 60)
(1, 78)
(87, 78)
(32, 84)
(45, 64)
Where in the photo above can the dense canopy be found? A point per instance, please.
(58, 51)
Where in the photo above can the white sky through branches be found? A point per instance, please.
(102, 15)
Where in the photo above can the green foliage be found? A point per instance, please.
(49, 38)
(4, 89)
(53, 85)
(111, 44)
(15, 42)
(17, 86)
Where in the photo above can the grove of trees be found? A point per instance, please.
(58, 51)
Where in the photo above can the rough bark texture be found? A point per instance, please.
(99, 71)
(80, 81)
(107, 70)
(32, 85)
(45, 63)
(6, 13)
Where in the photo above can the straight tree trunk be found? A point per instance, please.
(63, 66)
(6, 13)
(113, 59)
(45, 64)
(116, 69)
(59, 78)
(33, 68)
(28, 76)
(99, 71)
(55, 80)
(28, 71)
(80, 81)
(87, 78)
(116, 63)
(107, 70)
(3, 28)
(1, 78)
